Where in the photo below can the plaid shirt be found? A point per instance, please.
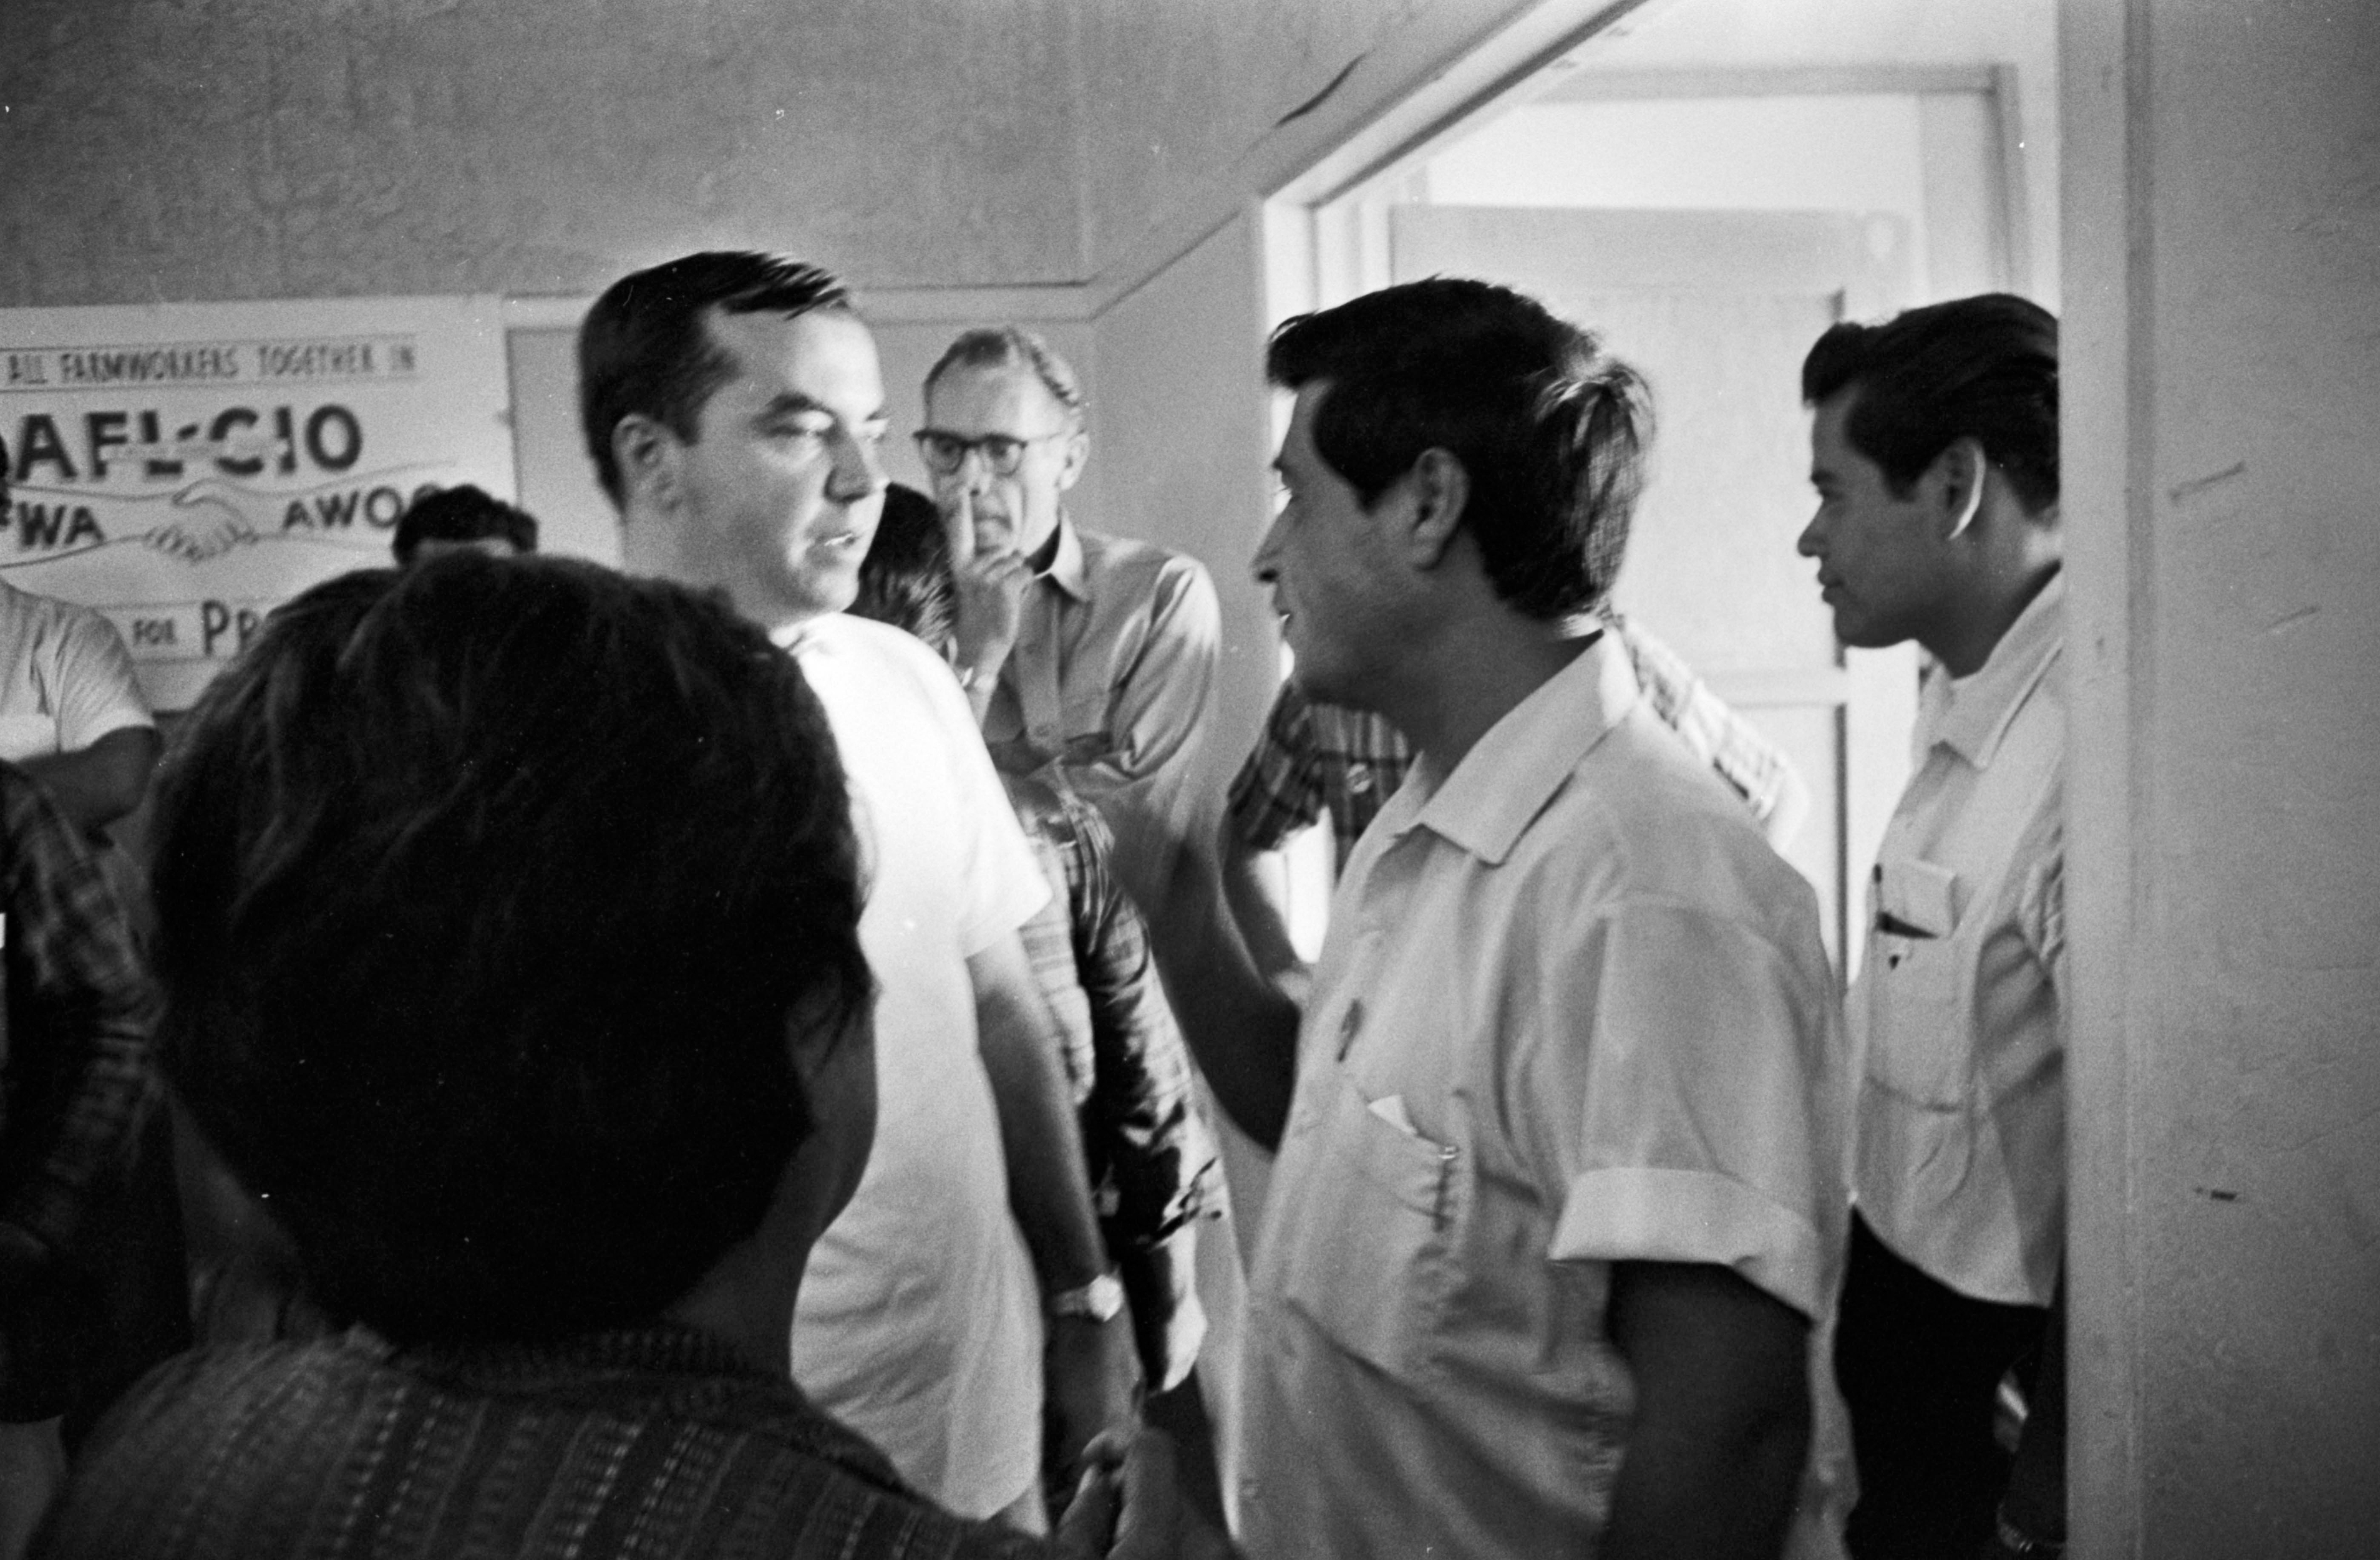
(1152, 1155)
(73, 1057)
(1317, 758)
(1155, 1167)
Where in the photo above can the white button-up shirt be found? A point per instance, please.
(1961, 1156)
(1572, 1011)
(65, 678)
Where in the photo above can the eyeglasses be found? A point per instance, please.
(945, 453)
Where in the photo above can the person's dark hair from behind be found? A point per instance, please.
(491, 898)
(1552, 430)
(644, 346)
(905, 578)
(464, 516)
(1984, 368)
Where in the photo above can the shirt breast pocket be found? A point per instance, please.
(1918, 1043)
(1365, 1254)
(1085, 719)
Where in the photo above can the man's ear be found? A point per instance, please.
(1440, 490)
(1956, 478)
(649, 455)
(1076, 450)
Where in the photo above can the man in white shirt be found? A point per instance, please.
(1935, 454)
(1555, 1227)
(71, 714)
(734, 407)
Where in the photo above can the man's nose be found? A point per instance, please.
(974, 473)
(858, 468)
(1806, 544)
(1264, 565)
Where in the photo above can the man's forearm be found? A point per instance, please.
(1255, 885)
(1684, 1494)
(96, 786)
(1716, 1448)
(1241, 1028)
(1047, 1187)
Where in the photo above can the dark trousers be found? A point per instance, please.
(1919, 1367)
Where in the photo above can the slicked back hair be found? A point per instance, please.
(1013, 346)
(495, 899)
(1984, 368)
(1550, 429)
(644, 346)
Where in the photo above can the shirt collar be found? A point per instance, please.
(796, 639)
(1511, 772)
(1970, 714)
(1066, 571)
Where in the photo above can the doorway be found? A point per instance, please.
(1709, 215)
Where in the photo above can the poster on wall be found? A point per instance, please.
(184, 468)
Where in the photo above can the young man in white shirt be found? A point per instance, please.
(1555, 1227)
(1934, 453)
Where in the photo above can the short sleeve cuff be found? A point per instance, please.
(1639, 1214)
(1020, 900)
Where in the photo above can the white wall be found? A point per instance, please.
(1820, 34)
(1847, 152)
(2223, 504)
(1178, 432)
(1837, 152)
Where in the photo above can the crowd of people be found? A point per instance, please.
(717, 1058)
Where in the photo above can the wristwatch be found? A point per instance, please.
(1102, 1299)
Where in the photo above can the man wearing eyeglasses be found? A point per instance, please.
(1093, 652)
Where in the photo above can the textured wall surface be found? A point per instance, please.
(2265, 1332)
(1173, 92)
(215, 149)
(2224, 249)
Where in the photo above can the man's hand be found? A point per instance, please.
(1090, 1374)
(1128, 1505)
(988, 592)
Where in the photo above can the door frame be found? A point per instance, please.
(1323, 238)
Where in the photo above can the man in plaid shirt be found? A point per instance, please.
(75, 1089)
(1154, 1166)
(1316, 758)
